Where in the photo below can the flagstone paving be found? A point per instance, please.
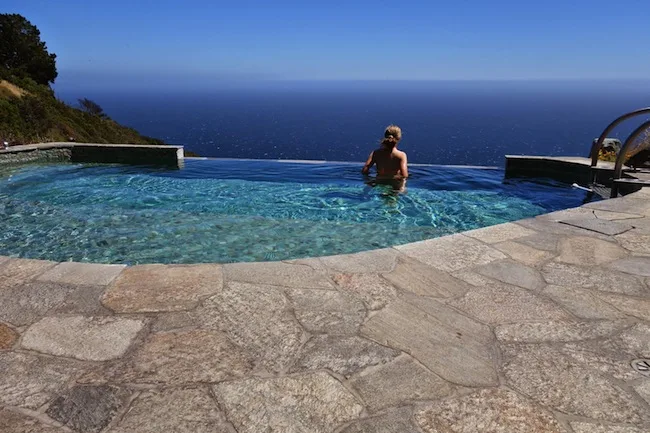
(529, 326)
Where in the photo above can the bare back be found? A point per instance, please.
(390, 162)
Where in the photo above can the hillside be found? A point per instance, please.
(30, 113)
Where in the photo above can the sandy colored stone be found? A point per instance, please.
(152, 288)
(635, 242)
(621, 204)
(14, 422)
(643, 389)
(84, 274)
(398, 383)
(614, 216)
(14, 272)
(558, 382)
(314, 402)
(499, 233)
(392, 421)
(583, 303)
(327, 311)
(180, 357)
(88, 409)
(632, 306)
(85, 338)
(415, 277)
(451, 253)
(513, 273)
(453, 346)
(30, 381)
(7, 337)
(83, 300)
(553, 331)
(23, 304)
(342, 355)
(549, 226)
(486, 411)
(375, 261)
(586, 251)
(277, 274)
(573, 213)
(633, 265)
(523, 253)
(257, 318)
(175, 320)
(495, 302)
(541, 241)
(173, 410)
(599, 278)
(584, 427)
(373, 290)
(602, 226)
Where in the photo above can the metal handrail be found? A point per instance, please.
(620, 159)
(595, 148)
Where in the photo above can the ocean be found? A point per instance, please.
(443, 122)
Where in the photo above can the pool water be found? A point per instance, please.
(237, 210)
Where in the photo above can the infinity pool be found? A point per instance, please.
(234, 210)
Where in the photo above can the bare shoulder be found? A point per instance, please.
(400, 154)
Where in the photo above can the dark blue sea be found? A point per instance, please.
(464, 123)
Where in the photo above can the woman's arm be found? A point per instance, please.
(403, 168)
(369, 163)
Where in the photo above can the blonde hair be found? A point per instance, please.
(392, 135)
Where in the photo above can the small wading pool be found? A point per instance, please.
(236, 210)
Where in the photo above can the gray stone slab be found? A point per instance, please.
(635, 241)
(24, 304)
(153, 288)
(182, 357)
(523, 253)
(327, 311)
(633, 265)
(257, 318)
(15, 422)
(621, 205)
(304, 403)
(587, 427)
(605, 227)
(487, 411)
(637, 307)
(499, 233)
(573, 213)
(643, 389)
(85, 274)
(85, 338)
(557, 331)
(85, 300)
(7, 337)
(451, 253)
(392, 421)
(615, 216)
(29, 381)
(598, 278)
(400, 382)
(582, 303)
(15, 272)
(541, 241)
(175, 320)
(585, 251)
(511, 272)
(375, 261)
(278, 274)
(373, 290)
(453, 346)
(88, 409)
(173, 410)
(552, 227)
(415, 277)
(495, 302)
(556, 381)
(342, 355)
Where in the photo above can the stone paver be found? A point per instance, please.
(313, 402)
(598, 278)
(412, 276)
(511, 272)
(584, 427)
(326, 311)
(376, 261)
(582, 303)
(23, 304)
(633, 265)
(615, 216)
(637, 307)
(86, 274)
(7, 337)
(643, 389)
(392, 421)
(603, 226)
(579, 250)
(402, 381)
(152, 288)
(538, 332)
(373, 290)
(487, 411)
(173, 410)
(257, 318)
(541, 241)
(635, 242)
(14, 272)
(499, 233)
(452, 253)
(278, 274)
(523, 253)
(342, 355)
(88, 409)
(85, 338)
(14, 422)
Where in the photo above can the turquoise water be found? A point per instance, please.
(235, 210)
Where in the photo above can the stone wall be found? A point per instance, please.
(36, 155)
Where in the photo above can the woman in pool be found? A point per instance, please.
(391, 163)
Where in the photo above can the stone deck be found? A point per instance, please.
(525, 327)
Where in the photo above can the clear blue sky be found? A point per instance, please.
(406, 40)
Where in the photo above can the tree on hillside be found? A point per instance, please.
(91, 107)
(22, 53)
